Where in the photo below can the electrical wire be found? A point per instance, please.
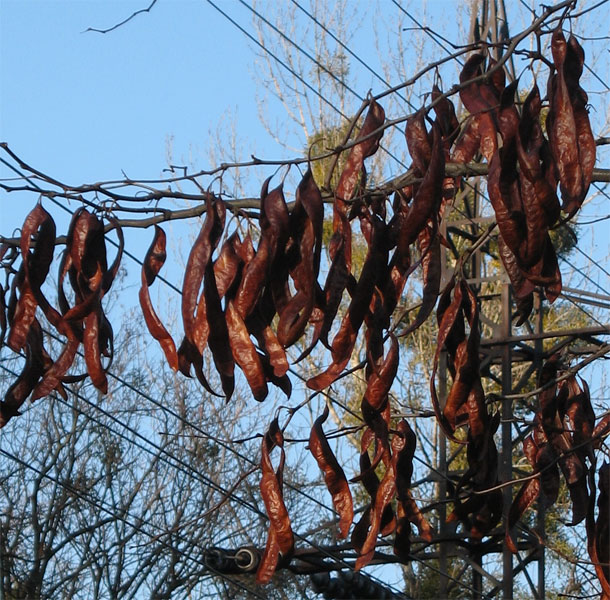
(379, 77)
(180, 464)
(184, 467)
(596, 263)
(125, 517)
(201, 431)
(427, 31)
(300, 49)
(223, 444)
(352, 54)
(584, 275)
(187, 470)
(292, 71)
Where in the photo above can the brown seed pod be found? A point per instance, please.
(571, 140)
(36, 362)
(35, 268)
(245, 354)
(306, 222)
(334, 477)
(280, 538)
(153, 261)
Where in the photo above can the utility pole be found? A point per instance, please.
(506, 461)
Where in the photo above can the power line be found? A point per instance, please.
(183, 468)
(181, 465)
(427, 31)
(302, 51)
(592, 261)
(581, 309)
(124, 517)
(299, 77)
(351, 53)
(578, 270)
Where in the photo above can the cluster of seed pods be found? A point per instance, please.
(563, 441)
(84, 322)
(247, 299)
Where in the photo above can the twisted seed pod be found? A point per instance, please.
(153, 261)
(334, 477)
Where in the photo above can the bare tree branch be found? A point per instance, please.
(132, 16)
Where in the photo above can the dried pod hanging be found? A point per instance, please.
(280, 539)
(153, 261)
(334, 477)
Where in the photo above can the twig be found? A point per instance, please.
(133, 16)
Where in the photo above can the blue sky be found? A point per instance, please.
(83, 106)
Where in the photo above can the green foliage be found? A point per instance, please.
(565, 239)
(322, 142)
(425, 581)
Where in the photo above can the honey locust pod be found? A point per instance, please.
(280, 539)
(153, 261)
(334, 477)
